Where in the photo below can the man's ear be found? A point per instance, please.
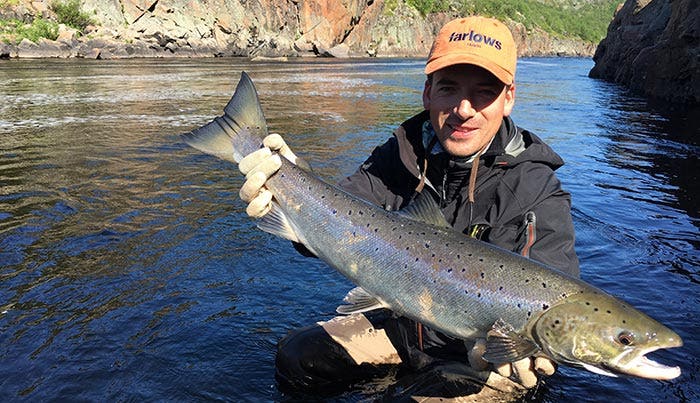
(510, 100)
(426, 95)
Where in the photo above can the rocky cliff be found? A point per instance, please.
(257, 28)
(653, 47)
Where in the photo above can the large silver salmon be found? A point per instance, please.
(412, 263)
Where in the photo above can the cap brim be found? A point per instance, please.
(469, 58)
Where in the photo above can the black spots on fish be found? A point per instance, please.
(545, 307)
(427, 245)
(478, 295)
(449, 270)
(529, 313)
(483, 275)
(544, 285)
(481, 259)
(349, 212)
(500, 288)
(555, 324)
(334, 211)
(459, 256)
(500, 266)
(564, 295)
(609, 312)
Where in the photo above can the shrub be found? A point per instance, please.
(16, 30)
(69, 13)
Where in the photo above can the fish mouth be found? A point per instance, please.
(643, 367)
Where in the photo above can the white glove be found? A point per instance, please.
(258, 167)
(525, 370)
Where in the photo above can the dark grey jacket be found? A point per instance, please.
(518, 201)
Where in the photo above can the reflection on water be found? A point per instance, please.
(128, 270)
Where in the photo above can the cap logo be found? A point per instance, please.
(475, 38)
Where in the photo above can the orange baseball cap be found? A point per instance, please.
(484, 42)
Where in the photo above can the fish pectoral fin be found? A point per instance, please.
(358, 301)
(504, 344)
(276, 223)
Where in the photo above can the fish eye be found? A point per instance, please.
(625, 338)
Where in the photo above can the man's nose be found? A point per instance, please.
(464, 109)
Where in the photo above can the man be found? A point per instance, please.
(492, 180)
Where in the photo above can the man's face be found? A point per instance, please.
(467, 105)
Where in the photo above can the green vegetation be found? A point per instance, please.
(13, 31)
(69, 13)
(587, 20)
(8, 3)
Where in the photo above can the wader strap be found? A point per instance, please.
(419, 330)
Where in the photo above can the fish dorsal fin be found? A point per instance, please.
(504, 344)
(424, 209)
(358, 300)
(238, 132)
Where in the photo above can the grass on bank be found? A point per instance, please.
(67, 12)
(587, 20)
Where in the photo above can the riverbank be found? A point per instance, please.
(176, 28)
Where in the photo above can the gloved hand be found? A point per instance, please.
(258, 167)
(525, 370)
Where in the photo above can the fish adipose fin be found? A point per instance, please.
(358, 301)
(238, 132)
(424, 209)
(504, 344)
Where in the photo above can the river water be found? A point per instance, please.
(128, 270)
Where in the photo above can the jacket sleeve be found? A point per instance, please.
(537, 220)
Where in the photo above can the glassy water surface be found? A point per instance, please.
(128, 269)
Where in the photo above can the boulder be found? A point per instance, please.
(44, 48)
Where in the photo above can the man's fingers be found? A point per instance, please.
(268, 166)
(261, 205)
(274, 142)
(253, 159)
(504, 370)
(544, 366)
(525, 373)
(252, 186)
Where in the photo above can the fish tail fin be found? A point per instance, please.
(238, 132)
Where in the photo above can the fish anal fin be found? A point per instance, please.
(276, 223)
(504, 344)
(358, 300)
